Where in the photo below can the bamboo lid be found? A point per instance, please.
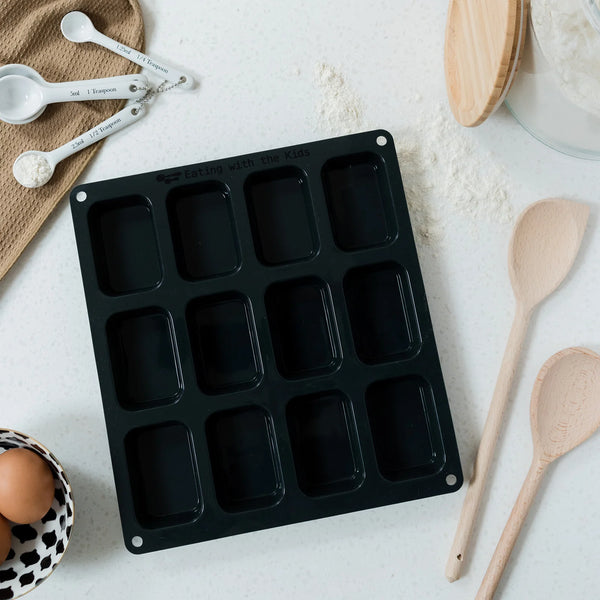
(482, 49)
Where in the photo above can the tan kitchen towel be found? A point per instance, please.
(30, 34)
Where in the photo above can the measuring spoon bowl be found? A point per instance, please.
(77, 27)
(25, 71)
(34, 168)
(20, 98)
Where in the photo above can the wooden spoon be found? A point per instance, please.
(544, 243)
(565, 411)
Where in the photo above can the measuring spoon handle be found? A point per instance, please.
(96, 89)
(487, 445)
(118, 121)
(139, 58)
(511, 530)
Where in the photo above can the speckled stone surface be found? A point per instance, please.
(255, 63)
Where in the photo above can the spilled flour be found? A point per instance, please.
(340, 110)
(444, 171)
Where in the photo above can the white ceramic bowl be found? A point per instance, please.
(37, 548)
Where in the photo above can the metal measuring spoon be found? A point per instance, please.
(78, 27)
(22, 97)
(35, 168)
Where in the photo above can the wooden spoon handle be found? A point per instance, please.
(511, 531)
(487, 444)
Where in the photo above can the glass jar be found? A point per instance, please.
(550, 96)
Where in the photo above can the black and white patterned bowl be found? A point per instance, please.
(37, 548)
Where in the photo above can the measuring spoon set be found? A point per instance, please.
(25, 94)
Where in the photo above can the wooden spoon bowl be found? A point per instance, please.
(565, 403)
(543, 247)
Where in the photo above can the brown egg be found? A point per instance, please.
(26, 486)
(5, 539)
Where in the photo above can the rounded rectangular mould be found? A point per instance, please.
(163, 475)
(382, 313)
(224, 343)
(244, 458)
(405, 428)
(325, 443)
(124, 245)
(303, 327)
(203, 230)
(359, 201)
(144, 358)
(281, 216)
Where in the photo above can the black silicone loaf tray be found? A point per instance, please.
(263, 342)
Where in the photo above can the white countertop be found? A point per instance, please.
(255, 62)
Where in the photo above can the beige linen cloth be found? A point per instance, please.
(30, 34)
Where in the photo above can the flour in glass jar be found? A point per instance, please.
(570, 41)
